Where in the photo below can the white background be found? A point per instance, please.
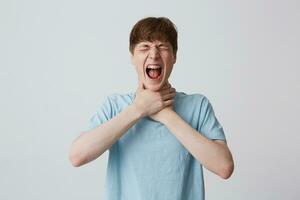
(59, 59)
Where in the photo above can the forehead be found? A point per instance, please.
(156, 42)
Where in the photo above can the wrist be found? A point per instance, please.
(136, 111)
(169, 117)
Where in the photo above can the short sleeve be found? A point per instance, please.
(103, 114)
(210, 126)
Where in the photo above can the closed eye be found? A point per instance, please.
(164, 47)
(143, 47)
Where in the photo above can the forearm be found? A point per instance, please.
(212, 155)
(91, 144)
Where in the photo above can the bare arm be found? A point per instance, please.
(214, 155)
(91, 144)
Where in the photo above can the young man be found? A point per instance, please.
(158, 139)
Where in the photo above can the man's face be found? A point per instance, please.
(153, 62)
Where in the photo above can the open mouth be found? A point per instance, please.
(153, 71)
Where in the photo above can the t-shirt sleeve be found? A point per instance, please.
(209, 125)
(103, 114)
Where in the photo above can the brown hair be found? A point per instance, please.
(153, 28)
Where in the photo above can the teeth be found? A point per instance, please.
(153, 66)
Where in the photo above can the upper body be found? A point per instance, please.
(153, 47)
(148, 162)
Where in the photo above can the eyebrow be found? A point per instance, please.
(147, 43)
(143, 43)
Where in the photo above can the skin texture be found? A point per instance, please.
(157, 53)
(153, 98)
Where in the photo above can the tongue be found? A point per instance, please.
(154, 73)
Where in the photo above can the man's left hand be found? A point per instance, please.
(162, 115)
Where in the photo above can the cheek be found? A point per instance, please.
(170, 61)
(138, 60)
(139, 63)
(138, 69)
(169, 71)
(170, 65)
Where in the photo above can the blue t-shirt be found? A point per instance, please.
(148, 162)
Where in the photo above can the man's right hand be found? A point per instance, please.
(150, 102)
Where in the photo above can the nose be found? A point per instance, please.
(154, 53)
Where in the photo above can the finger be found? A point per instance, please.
(168, 96)
(171, 106)
(166, 86)
(169, 90)
(168, 102)
(168, 83)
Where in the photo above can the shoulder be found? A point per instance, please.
(118, 101)
(196, 98)
(119, 98)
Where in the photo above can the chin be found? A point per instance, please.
(154, 87)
